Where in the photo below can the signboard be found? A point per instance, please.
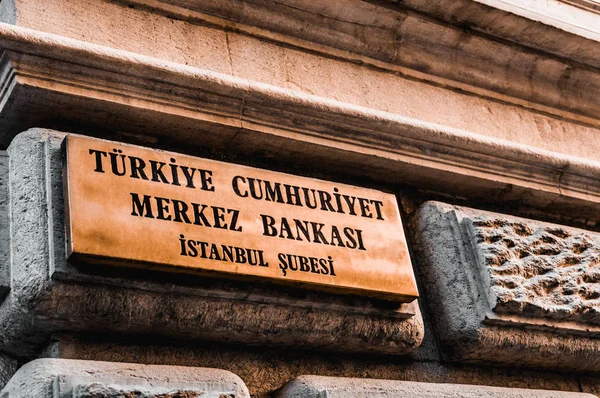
(128, 205)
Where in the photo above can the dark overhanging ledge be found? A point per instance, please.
(523, 23)
(4, 220)
(475, 46)
(48, 79)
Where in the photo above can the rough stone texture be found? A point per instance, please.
(4, 232)
(8, 367)
(265, 370)
(54, 378)
(48, 294)
(8, 11)
(338, 387)
(341, 74)
(120, 93)
(229, 116)
(539, 270)
(508, 290)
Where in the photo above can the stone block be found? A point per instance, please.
(266, 369)
(8, 367)
(333, 387)
(257, 121)
(54, 378)
(510, 290)
(589, 384)
(118, 26)
(48, 294)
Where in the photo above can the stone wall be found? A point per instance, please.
(481, 117)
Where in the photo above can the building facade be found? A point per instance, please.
(451, 150)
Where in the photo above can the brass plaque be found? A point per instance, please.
(134, 206)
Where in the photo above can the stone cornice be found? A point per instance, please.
(51, 78)
(567, 28)
(468, 45)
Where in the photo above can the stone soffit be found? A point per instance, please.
(579, 17)
(45, 75)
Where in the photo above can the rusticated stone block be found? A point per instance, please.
(334, 387)
(510, 290)
(538, 270)
(48, 294)
(4, 232)
(8, 367)
(54, 378)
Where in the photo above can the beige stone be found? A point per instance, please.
(537, 271)
(489, 103)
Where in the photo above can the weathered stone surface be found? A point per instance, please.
(333, 387)
(251, 212)
(363, 33)
(509, 290)
(54, 378)
(48, 294)
(266, 369)
(539, 270)
(239, 116)
(590, 384)
(8, 367)
(4, 231)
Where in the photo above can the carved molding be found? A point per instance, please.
(46, 77)
(520, 59)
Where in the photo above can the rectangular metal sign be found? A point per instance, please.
(128, 205)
